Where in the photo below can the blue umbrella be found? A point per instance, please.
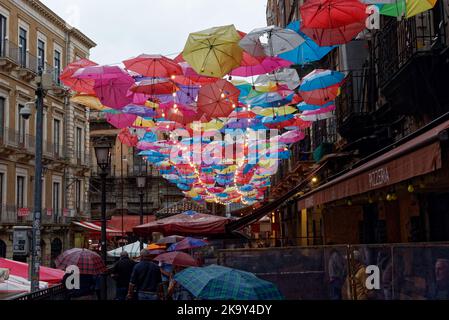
(308, 51)
(309, 107)
(320, 79)
(269, 100)
(187, 243)
(139, 111)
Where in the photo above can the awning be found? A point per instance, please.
(96, 228)
(417, 157)
(129, 222)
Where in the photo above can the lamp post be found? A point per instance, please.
(141, 184)
(103, 154)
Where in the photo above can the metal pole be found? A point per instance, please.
(141, 217)
(36, 236)
(103, 176)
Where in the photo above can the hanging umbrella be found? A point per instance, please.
(154, 87)
(267, 65)
(333, 22)
(320, 97)
(153, 65)
(308, 107)
(187, 244)
(87, 261)
(177, 259)
(218, 99)
(88, 101)
(278, 40)
(307, 52)
(407, 8)
(126, 138)
(320, 79)
(213, 52)
(292, 137)
(140, 111)
(100, 73)
(170, 239)
(120, 120)
(114, 92)
(80, 85)
(289, 77)
(221, 283)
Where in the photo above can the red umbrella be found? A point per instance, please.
(127, 138)
(177, 259)
(218, 100)
(320, 97)
(154, 87)
(333, 22)
(87, 261)
(156, 66)
(80, 85)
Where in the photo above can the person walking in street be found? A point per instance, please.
(358, 281)
(121, 273)
(145, 278)
(337, 274)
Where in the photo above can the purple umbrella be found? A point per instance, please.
(241, 123)
(141, 111)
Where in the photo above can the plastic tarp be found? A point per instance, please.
(20, 269)
(133, 250)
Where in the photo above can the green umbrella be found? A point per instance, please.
(221, 283)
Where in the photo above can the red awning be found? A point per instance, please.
(129, 222)
(92, 227)
(188, 225)
(419, 156)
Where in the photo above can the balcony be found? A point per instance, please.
(358, 95)
(17, 142)
(12, 215)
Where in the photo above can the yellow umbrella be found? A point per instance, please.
(90, 102)
(272, 112)
(213, 125)
(227, 170)
(409, 8)
(150, 104)
(214, 52)
(141, 122)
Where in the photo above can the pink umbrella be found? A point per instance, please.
(120, 120)
(113, 92)
(292, 137)
(269, 64)
(319, 111)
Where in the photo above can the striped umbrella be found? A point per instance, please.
(87, 261)
(221, 283)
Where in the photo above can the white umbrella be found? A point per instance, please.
(133, 250)
(276, 40)
(287, 76)
(317, 117)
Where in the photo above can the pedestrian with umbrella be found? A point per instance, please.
(90, 267)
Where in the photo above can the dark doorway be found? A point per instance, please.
(369, 227)
(2, 249)
(56, 249)
(438, 212)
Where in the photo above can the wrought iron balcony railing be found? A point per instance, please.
(12, 214)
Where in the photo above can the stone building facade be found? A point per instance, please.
(32, 37)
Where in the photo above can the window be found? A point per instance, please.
(20, 192)
(78, 142)
(57, 136)
(78, 195)
(56, 198)
(40, 54)
(3, 28)
(2, 117)
(23, 46)
(21, 128)
(2, 181)
(57, 65)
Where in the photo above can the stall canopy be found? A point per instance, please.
(20, 269)
(95, 228)
(187, 223)
(133, 250)
(128, 222)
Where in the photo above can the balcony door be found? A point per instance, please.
(3, 34)
(56, 199)
(2, 118)
(57, 136)
(23, 46)
(21, 127)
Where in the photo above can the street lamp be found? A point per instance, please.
(141, 184)
(103, 154)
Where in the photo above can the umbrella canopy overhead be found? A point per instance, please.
(154, 65)
(274, 41)
(407, 8)
(87, 261)
(218, 99)
(221, 283)
(213, 52)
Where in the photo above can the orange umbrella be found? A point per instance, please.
(219, 99)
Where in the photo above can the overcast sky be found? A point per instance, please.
(126, 28)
